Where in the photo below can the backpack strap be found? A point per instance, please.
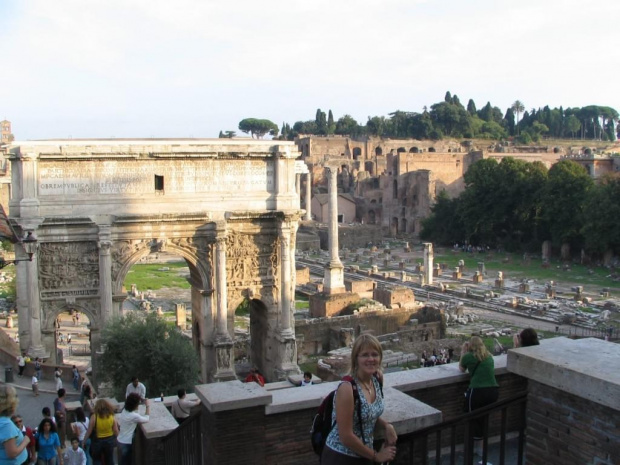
(356, 401)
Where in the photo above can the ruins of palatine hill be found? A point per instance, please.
(393, 183)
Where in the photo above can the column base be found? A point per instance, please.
(38, 351)
(225, 369)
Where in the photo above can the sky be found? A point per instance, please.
(190, 68)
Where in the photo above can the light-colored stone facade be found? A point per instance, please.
(228, 207)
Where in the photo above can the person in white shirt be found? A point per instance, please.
(128, 419)
(182, 407)
(21, 363)
(75, 455)
(136, 387)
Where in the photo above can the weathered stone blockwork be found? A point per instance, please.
(566, 429)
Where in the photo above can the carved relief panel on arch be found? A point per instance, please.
(68, 266)
(251, 258)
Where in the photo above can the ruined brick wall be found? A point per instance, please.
(389, 296)
(563, 428)
(316, 333)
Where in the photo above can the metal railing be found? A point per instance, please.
(451, 442)
(183, 446)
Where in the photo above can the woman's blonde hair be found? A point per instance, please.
(477, 347)
(8, 400)
(103, 408)
(364, 341)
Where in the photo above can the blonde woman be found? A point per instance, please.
(14, 443)
(103, 429)
(483, 388)
(351, 439)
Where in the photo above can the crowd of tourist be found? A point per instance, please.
(440, 357)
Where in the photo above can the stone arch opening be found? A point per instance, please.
(372, 219)
(357, 153)
(395, 189)
(71, 329)
(258, 332)
(414, 150)
(378, 151)
(370, 167)
(403, 224)
(401, 150)
(431, 149)
(394, 226)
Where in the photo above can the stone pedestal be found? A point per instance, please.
(456, 274)
(225, 369)
(436, 272)
(477, 279)
(524, 287)
(499, 283)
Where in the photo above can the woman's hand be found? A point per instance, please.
(386, 454)
(390, 435)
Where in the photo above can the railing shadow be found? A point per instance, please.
(451, 442)
(183, 446)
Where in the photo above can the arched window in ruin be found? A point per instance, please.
(370, 167)
(394, 226)
(378, 151)
(372, 219)
(414, 150)
(395, 190)
(395, 170)
(431, 149)
(403, 224)
(401, 150)
(402, 211)
(357, 153)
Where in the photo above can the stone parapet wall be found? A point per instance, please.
(563, 428)
(573, 413)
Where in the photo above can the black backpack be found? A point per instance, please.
(322, 422)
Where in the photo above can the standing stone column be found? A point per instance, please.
(36, 348)
(334, 271)
(428, 262)
(285, 278)
(105, 280)
(222, 342)
(308, 197)
(221, 326)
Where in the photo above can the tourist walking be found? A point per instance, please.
(351, 439)
(74, 454)
(60, 415)
(58, 378)
(26, 431)
(483, 388)
(127, 422)
(35, 385)
(13, 449)
(79, 428)
(48, 444)
(21, 364)
(102, 429)
(37, 368)
(76, 377)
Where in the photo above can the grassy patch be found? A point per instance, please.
(151, 276)
(515, 267)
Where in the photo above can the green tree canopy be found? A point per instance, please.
(602, 216)
(147, 347)
(258, 127)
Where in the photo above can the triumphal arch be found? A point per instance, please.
(228, 207)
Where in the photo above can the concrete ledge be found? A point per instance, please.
(586, 368)
(232, 395)
(160, 423)
(403, 411)
(421, 378)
